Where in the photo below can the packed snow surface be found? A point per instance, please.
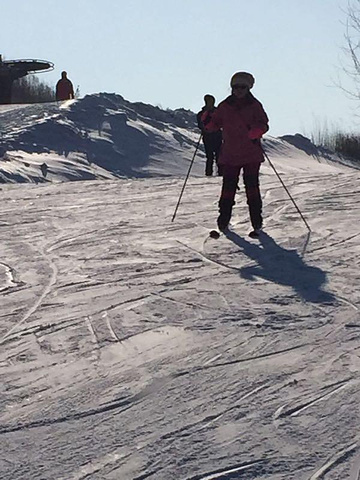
(133, 347)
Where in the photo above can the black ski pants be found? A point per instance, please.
(252, 189)
(212, 144)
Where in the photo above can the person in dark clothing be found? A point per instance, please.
(243, 122)
(64, 88)
(212, 140)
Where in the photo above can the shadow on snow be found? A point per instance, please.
(284, 267)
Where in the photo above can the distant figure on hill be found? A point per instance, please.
(212, 140)
(64, 88)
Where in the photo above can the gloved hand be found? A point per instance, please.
(255, 133)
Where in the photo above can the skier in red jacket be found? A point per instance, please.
(64, 88)
(212, 140)
(243, 122)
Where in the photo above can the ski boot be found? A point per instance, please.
(256, 232)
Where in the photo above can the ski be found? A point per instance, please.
(216, 234)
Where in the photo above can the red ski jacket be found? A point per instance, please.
(243, 122)
(64, 89)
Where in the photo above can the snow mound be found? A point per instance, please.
(104, 136)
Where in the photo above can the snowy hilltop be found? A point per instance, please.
(104, 136)
(99, 137)
(133, 347)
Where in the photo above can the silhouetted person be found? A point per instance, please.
(212, 140)
(64, 88)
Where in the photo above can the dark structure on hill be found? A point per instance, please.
(11, 70)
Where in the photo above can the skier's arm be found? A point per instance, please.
(212, 121)
(199, 122)
(259, 124)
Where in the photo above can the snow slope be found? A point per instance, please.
(135, 348)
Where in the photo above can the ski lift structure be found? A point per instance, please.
(11, 70)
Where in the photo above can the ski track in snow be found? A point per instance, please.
(337, 458)
(9, 275)
(46, 291)
(355, 471)
(136, 348)
(69, 256)
(107, 327)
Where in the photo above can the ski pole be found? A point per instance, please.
(186, 179)
(287, 191)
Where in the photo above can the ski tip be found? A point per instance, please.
(214, 234)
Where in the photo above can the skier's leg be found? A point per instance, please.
(217, 149)
(209, 158)
(252, 189)
(226, 202)
(219, 166)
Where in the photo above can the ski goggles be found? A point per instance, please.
(240, 87)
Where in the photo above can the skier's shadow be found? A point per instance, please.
(284, 267)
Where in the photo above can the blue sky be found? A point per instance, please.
(170, 53)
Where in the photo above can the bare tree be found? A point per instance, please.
(352, 49)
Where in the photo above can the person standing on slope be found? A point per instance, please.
(243, 122)
(64, 88)
(212, 140)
